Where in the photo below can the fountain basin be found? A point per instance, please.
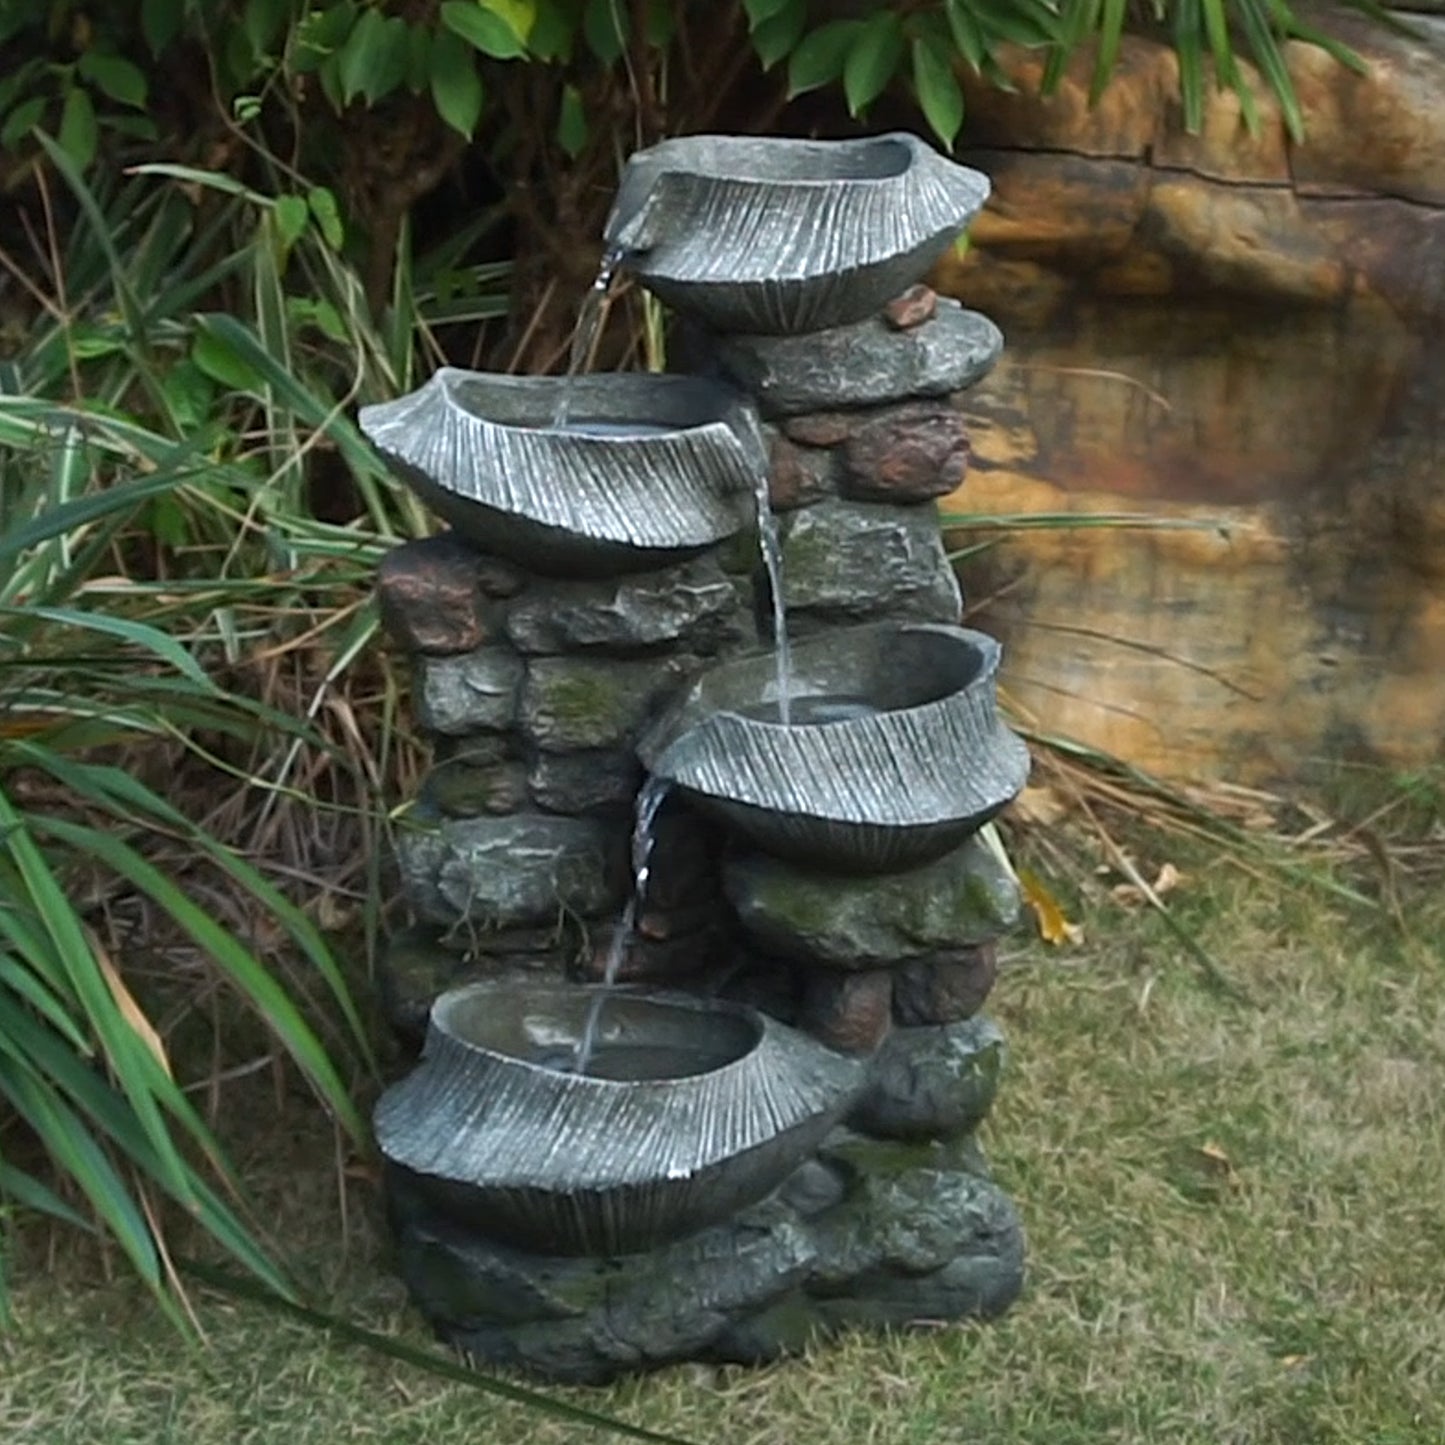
(651, 469)
(895, 756)
(772, 236)
(710, 1106)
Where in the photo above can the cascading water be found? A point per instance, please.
(773, 560)
(584, 338)
(649, 804)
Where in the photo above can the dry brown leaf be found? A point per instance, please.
(1054, 927)
(1217, 1162)
(1039, 804)
(1129, 895)
(130, 1010)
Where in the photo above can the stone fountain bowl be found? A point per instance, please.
(694, 1108)
(896, 753)
(650, 469)
(771, 236)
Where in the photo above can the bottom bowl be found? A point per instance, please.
(692, 1109)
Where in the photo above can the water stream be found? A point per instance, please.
(773, 560)
(584, 338)
(648, 805)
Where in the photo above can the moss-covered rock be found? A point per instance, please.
(838, 1247)
(573, 703)
(844, 561)
(965, 898)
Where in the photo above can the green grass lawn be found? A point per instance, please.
(1236, 1219)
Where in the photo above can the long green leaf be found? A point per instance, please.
(69, 1143)
(125, 796)
(136, 1069)
(138, 634)
(1189, 46)
(59, 1070)
(249, 976)
(29, 1193)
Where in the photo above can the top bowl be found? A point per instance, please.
(894, 755)
(694, 1108)
(776, 237)
(650, 470)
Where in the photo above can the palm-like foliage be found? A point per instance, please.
(121, 443)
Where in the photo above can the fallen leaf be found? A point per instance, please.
(1054, 927)
(1218, 1162)
(1039, 804)
(1129, 895)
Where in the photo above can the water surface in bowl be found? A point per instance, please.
(632, 1063)
(815, 710)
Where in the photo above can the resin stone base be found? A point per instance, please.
(868, 1234)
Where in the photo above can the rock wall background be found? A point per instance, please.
(1232, 330)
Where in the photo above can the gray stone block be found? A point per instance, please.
(847, 561)
(932, 1083)
(584, 782)
(864, 364)
(867, 1234)
(471, 692)
(694, 606)
(571, 703)
(510, 872)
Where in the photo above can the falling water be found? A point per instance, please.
(649, 803)
(773, 561)
(584, 338)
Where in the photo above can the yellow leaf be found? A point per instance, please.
(130, 1010)
(1054, 927)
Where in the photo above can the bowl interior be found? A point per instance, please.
(610, 405)
(790, 162)
(841, 678)
(639, 1039)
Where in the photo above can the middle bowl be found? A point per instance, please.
(649, 470)
(894, 755)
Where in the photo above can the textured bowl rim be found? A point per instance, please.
(564, 1105)
(592, 487)
(453, 999)
(915, 146)
(956, 792)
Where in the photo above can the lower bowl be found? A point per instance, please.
(692, 1109)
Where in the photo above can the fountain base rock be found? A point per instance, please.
(867, 1234)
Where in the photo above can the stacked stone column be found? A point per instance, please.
(531, 691)
(534, 691)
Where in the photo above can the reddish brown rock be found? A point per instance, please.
(431, 597)
(819, 428)
(847, 1011)
(798, 476)
(945, 989)
(915, 306)
(909, 453)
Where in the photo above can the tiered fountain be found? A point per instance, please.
(760, 1126)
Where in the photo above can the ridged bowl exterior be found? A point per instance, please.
(481, 451)
(577, 1165)
(868, 794)
(770, 236)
